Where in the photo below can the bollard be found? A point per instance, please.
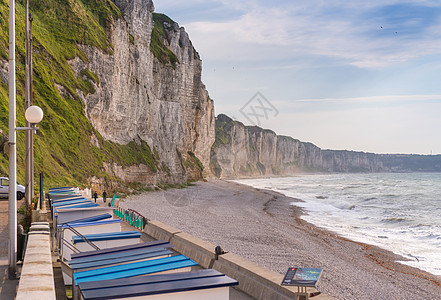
(41, 191)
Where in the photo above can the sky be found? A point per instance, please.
(356, 75)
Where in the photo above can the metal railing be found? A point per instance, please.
(61, 241)
(131, 216)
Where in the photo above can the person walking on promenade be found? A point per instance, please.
(104, 196)
(95, 195)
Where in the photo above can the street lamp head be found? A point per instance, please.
(34, 114)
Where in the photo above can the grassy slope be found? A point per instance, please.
(157, 46)
(62, 147)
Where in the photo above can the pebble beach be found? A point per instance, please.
(262, 226)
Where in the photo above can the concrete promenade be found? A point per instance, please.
(8, 288)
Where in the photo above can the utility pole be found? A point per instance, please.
(12, 200)
(31, 102)
(28, 159)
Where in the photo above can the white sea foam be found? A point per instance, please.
(398, 212)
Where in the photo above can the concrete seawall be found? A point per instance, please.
(37, 278)
(254, 280)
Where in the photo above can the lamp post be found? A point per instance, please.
(27, 133)
(28, 175)
(33, 115)
(29, 141)
(12, 204)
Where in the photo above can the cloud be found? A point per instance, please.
(393, 129)
(255, 27)
(339, 105)
(366, 35)
(372, 99)
(324, 65)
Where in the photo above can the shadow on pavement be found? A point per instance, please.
(8, 288)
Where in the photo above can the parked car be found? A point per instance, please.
(4, 189)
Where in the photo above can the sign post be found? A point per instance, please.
(302, 278)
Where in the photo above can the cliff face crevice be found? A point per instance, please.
(142, 95)
(249, 151)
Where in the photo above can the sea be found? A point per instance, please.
(400, 212)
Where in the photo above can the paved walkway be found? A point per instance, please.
(8, 288)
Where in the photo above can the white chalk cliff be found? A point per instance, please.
(250, 151)
(140, 97)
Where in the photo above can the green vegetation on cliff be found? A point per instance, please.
(159, 34)
(63, 147)
(223, 130)
(224, 124)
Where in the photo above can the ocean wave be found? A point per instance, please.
(351, 186)
(431, 236)
(394, 220)
(370, 199)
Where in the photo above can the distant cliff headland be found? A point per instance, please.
(250, 151)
